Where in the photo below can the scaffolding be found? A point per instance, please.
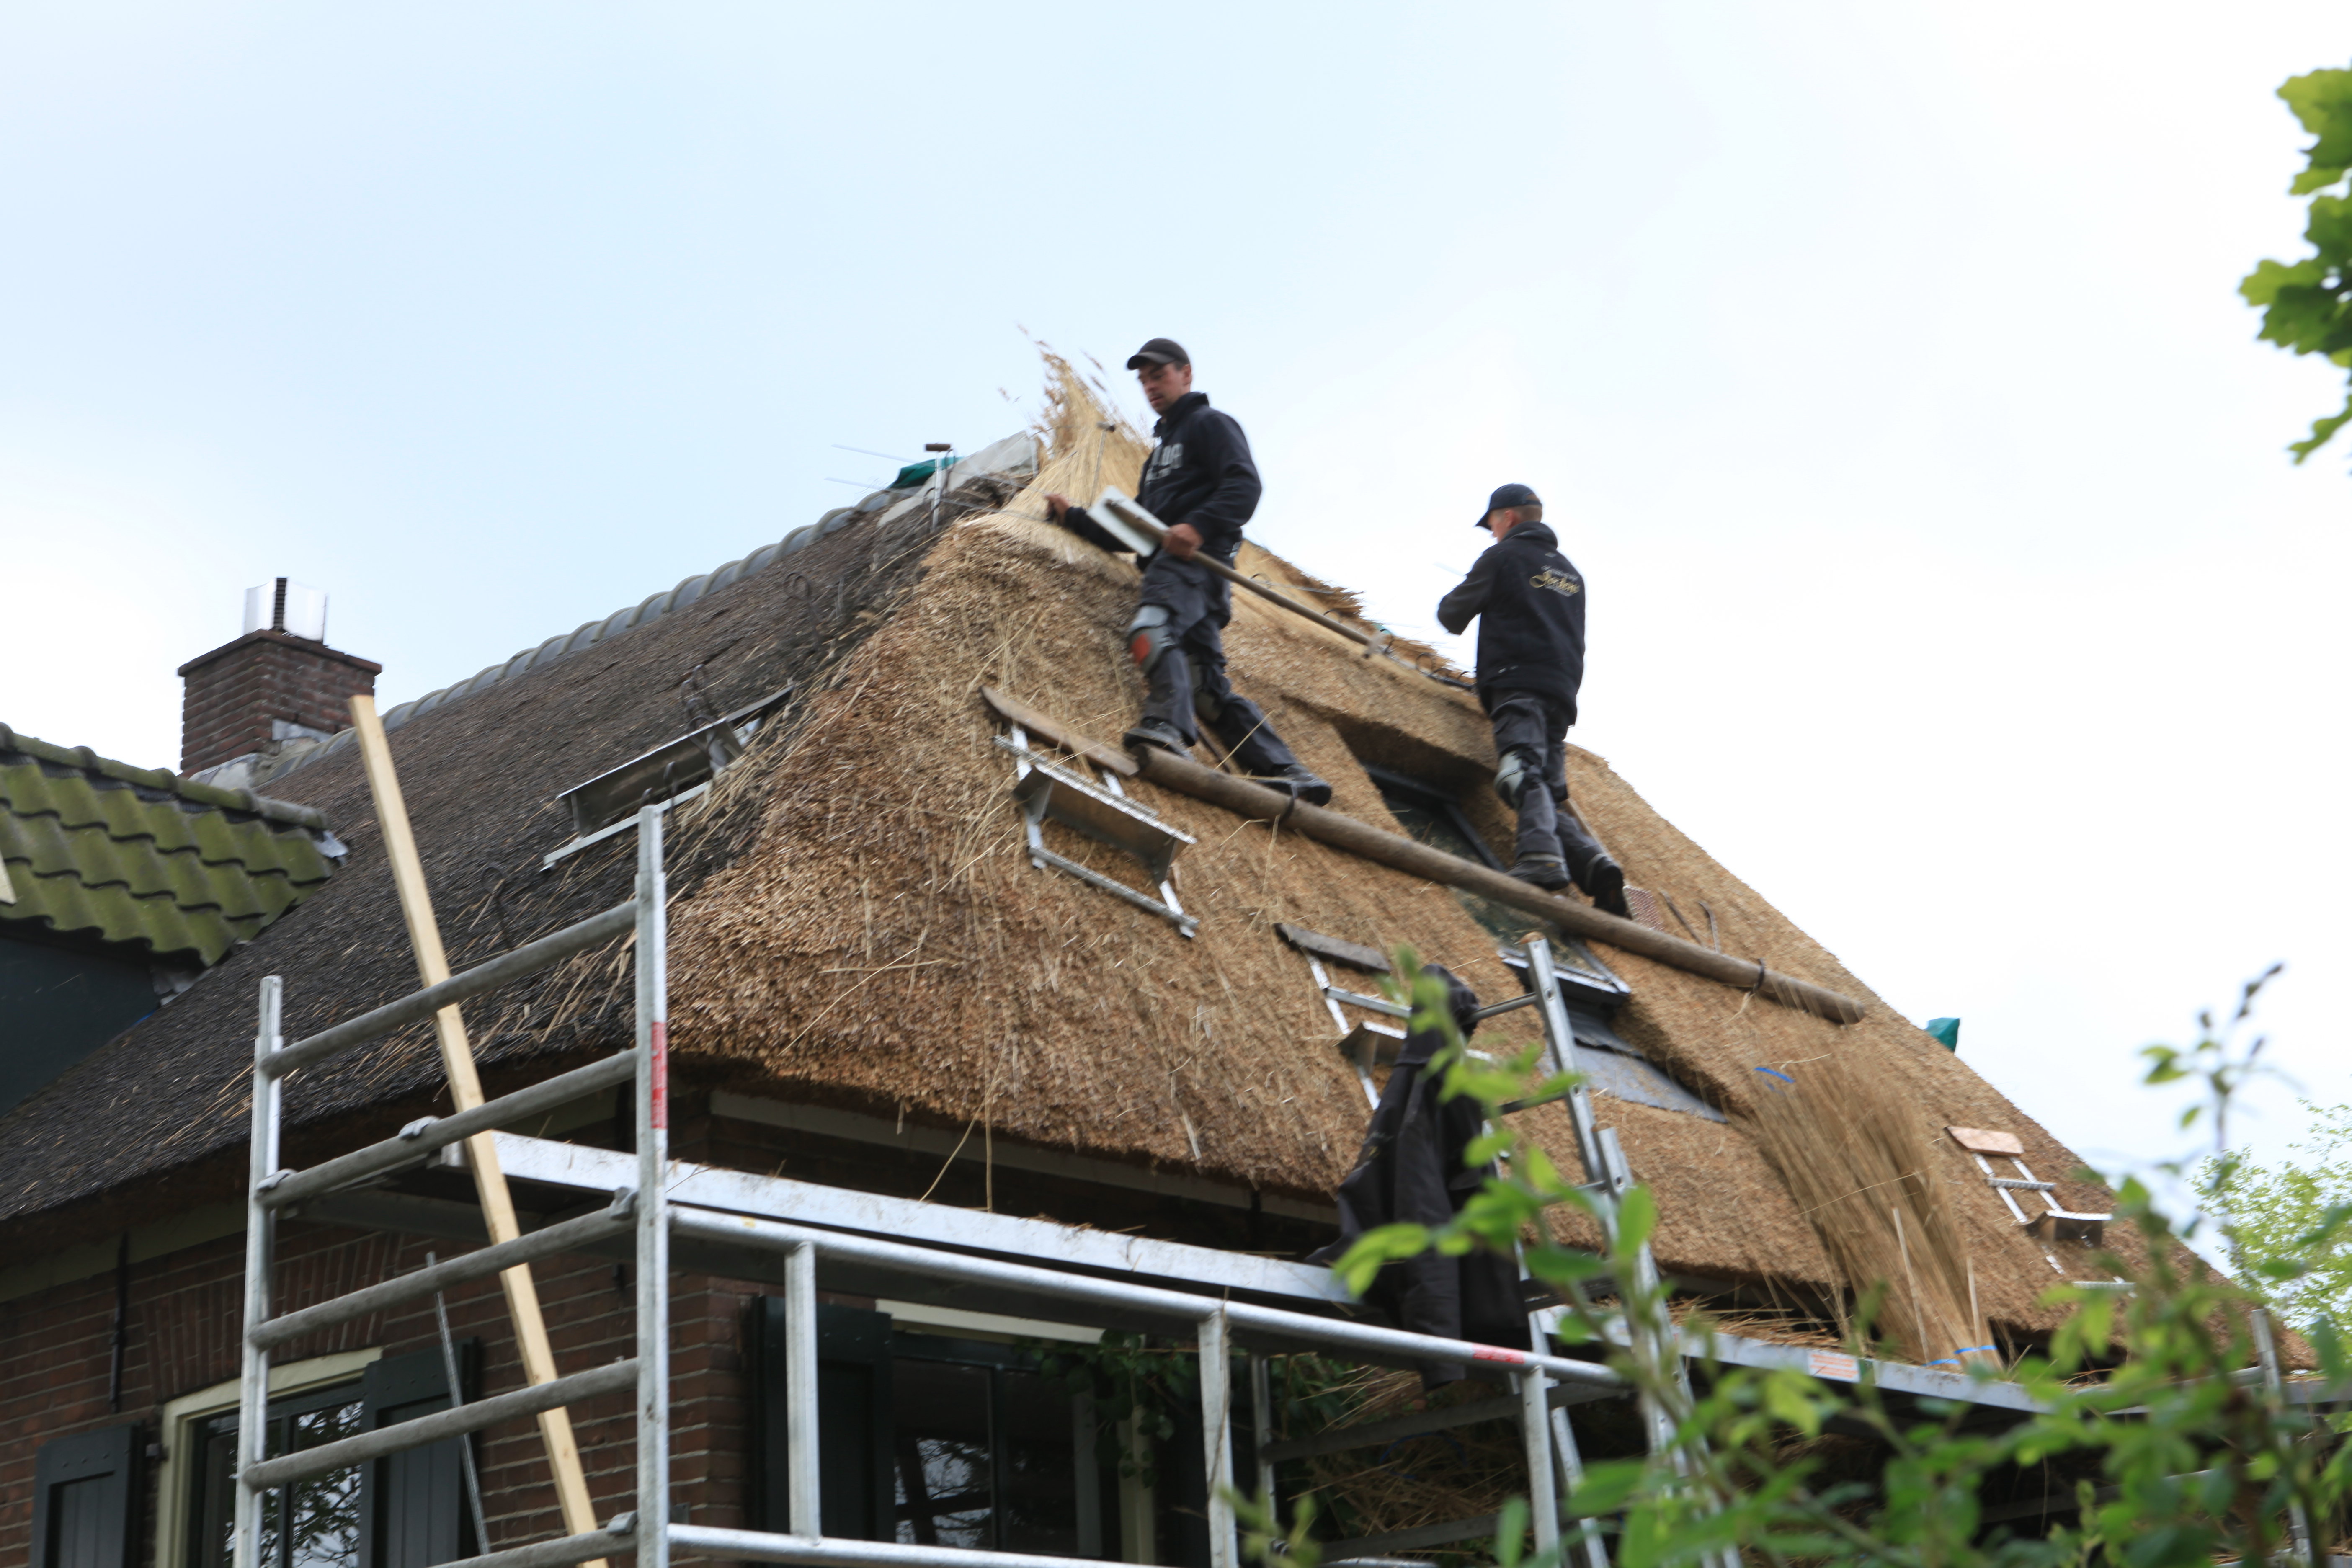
(861, 1240)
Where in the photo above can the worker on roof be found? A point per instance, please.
(1529, 601)
(1201, 482)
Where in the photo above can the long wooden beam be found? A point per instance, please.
(465, 1093)
(1340, 831)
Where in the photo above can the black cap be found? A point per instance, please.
(1158, 351)
(1508, 495)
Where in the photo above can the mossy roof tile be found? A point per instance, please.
(139, 858)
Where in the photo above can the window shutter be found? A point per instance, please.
(414, 1501)
(857, 1482)
(83, 1499)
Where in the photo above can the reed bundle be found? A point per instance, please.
(1854, 1155)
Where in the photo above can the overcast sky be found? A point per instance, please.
(1880, 363)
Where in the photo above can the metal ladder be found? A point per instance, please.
(273, 1190)
(1610, 1180)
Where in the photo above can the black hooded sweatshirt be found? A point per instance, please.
(1528, 600)
(1201, 473)
(1410, 1171)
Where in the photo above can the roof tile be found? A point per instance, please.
(98, 849)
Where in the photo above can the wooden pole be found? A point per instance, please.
(1132, 513)
(1245, 798)
(465, 1093)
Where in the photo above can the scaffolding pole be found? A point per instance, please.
(1542, 1380)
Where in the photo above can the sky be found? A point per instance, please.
(1880, 364)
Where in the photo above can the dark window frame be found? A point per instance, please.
(1436, 800)
(211, 1501)
(858, 1351)
(384, 1392)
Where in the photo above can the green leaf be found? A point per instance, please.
(1607, 1484)
(1558, 1266)
(2321, 430)
(1794, 1397)
(1637, 1216)
(1510, 1533)
(1359, 1265)
(1485, 1148)
(2307, 304)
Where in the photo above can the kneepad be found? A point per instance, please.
(1148, 636)
(1517, 774)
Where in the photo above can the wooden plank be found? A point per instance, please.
(1979, 1141)
(1354, 955)
(465, 1093)
(1015, 712)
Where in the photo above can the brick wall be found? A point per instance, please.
(55, 1344)
(235, 692)
(56, 1350)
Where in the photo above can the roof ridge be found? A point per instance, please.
(1015, 453)
(190, 790)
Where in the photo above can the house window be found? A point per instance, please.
(930, 1440)
(407, 1511)
(986, 1449)
(1435, 817)
(1432, 815)
(314, 1522)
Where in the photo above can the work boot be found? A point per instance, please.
(1301, 784)
(1546, 871)
(1159, 732)
(1604, 881)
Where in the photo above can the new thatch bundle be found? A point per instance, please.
(1855, 1156)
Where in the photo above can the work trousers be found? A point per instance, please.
(1184, 670)
(1535, 727)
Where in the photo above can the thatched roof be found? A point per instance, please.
(857, 923)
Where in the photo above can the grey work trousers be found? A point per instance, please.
(1535, 727)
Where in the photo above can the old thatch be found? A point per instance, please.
(858, 925)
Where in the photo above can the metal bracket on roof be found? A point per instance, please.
(670, 774)
(2053, 1224)
(1044, 788)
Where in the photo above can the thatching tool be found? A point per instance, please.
(1245, 798)
(465, 1093)
(1127, 520)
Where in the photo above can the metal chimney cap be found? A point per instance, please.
(282, 604)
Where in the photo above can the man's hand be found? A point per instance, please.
(1057, 505)
(1183, 541)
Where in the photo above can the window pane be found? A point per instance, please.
(325, 1533)
(945, 1489)
(1041, 1469)
(325, 1508)
(211, 1534)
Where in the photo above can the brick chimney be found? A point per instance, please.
(278, 688)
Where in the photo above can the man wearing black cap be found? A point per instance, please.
(1201, 482)
(1528, 600)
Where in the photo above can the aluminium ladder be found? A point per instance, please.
(1609, 1179)
(273, 1190)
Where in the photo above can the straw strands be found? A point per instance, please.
(1856, 1157)
(878, 941)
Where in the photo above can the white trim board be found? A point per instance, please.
(919, 1224)
(920, 1315)
(825, 1122)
